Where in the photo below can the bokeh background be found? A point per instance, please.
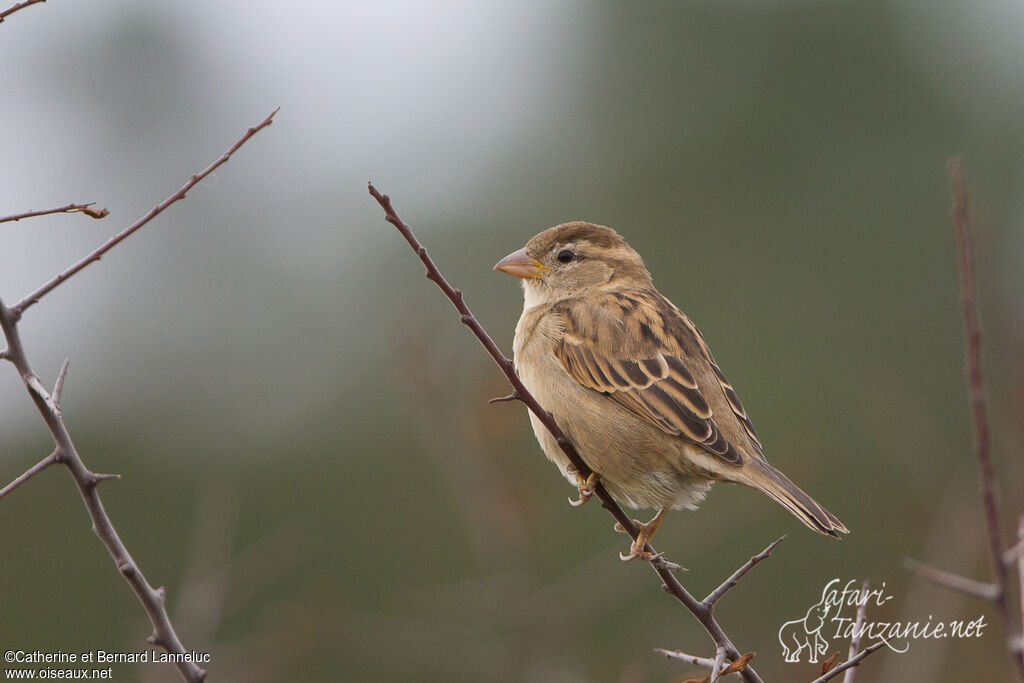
(309, 462)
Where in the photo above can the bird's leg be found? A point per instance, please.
(646, 533)
(586, 486)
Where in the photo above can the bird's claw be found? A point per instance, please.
(586, 488)
(644, 534)
(641, 555)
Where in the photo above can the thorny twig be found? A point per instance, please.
(702, 610)
(48, 404)
(718, 671)
(14, 8)
(978, 589)
(850, 663)
(715, 595)
(33, 298)
(996, 591)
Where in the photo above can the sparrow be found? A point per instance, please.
(632, 383)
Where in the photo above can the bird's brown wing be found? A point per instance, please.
(642, 352)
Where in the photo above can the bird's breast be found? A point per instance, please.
(641, 465)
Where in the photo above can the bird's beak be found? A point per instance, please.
(519, 264)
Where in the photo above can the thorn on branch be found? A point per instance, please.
(95, 478)
(58, 386)
(672, 566)
(31, 472)
(986, 591)
(502, 399)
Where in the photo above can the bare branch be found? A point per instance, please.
(1019, 646)
(21, 5)
(976, 395)
(152, 599)
(961, 584)
(33, 298)
(718, 672)
(850, 663)
(976, 399)
(689, 659)
(862, 608)
(716, 595)
(70, 208)
(29, 473)
(975, 385)
(662, 567)
(1011, 556)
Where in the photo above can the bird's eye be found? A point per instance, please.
(564, 256)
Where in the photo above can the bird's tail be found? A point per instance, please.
(776, 485)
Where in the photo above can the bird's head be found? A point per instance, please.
(572, 259)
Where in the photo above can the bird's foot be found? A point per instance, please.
(586, 487)
(646, 532)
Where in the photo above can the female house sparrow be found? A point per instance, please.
(632, 383)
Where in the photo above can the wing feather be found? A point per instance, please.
(657, 376)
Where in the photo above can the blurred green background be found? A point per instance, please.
(309, 462)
